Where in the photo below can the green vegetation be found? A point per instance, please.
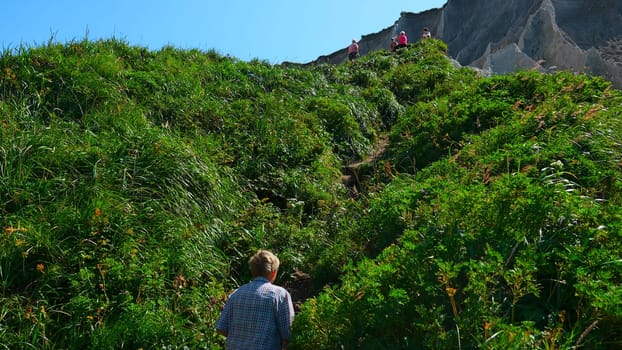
(135, 184)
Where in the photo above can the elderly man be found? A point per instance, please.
(259, 314)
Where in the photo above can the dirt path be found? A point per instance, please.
(301, 284)
(350, 172)
(377, 152)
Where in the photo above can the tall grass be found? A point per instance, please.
(134, 184)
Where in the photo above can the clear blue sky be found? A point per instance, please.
(271, 30)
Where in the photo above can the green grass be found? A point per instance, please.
(135, 184)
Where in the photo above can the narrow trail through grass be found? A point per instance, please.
(350, 176)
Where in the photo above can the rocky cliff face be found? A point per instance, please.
(501, 36)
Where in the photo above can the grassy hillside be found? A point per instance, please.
(419, 205)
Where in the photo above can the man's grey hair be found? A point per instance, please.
(263, 263)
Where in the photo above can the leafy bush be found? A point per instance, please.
(135, 184)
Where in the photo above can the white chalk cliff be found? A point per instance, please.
(502, 36)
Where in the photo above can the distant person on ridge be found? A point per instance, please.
(402, 40)
(426, 33)
(259, 314)
(353, 50)
(393, 44)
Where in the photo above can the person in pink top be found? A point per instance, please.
(353, 50)
(402, 40)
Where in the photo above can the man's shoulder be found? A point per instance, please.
(282, 289)
(278, 290)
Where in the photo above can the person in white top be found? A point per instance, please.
(426, 33)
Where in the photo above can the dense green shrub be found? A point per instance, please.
(487, 246)
(135, 184)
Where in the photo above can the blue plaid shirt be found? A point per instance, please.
(258, 315)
